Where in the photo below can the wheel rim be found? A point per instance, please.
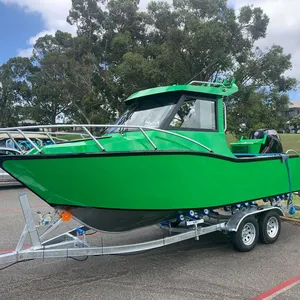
(272, 227)
(248, 234)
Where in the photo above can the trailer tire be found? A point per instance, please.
(269, 227)
(246, 236)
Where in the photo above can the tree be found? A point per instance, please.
(187, 40)
(50, 101)
(261, 98)
(69, 83)
(15, 91)
(119, 50)
(295, 122)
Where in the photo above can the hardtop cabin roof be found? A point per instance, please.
(211, 88)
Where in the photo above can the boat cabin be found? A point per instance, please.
(196, 111)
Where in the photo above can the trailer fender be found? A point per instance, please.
(235, 220)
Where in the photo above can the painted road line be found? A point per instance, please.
(281, 288)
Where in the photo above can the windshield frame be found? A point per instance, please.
(179, 99)
(171, 99)
(183, 98)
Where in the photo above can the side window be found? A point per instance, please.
(195, 114)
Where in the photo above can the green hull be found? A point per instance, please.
(137, 177)
(152, 180)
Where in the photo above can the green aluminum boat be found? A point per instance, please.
(164, 160)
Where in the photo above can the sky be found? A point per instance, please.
(23, 21)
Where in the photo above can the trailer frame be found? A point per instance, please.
(74, 243)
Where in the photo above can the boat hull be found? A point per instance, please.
(143, 188)
(118, 220)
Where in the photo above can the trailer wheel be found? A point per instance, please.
(269, 227)
(246, 237)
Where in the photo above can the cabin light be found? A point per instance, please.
(66, 216)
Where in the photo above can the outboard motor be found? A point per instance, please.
(260, 141)
(271, 140)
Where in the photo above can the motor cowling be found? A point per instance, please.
(271, 144)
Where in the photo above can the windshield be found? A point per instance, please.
(149, 113)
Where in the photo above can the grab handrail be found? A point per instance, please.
(209, 83)
(292, 150)
(14, 141)
(86, 126)
(29, 140)
(225, 117)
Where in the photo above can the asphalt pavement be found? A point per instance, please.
(206, 269)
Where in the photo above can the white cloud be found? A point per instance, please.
(25, 52)
(283, 28)
(33, 39)
(143, 4)
(28, 51)
(53, 14)
(52, 11)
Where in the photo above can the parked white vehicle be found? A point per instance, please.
(5, 178)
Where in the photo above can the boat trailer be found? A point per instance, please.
(244, 227)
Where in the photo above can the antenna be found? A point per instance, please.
(214, 62)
